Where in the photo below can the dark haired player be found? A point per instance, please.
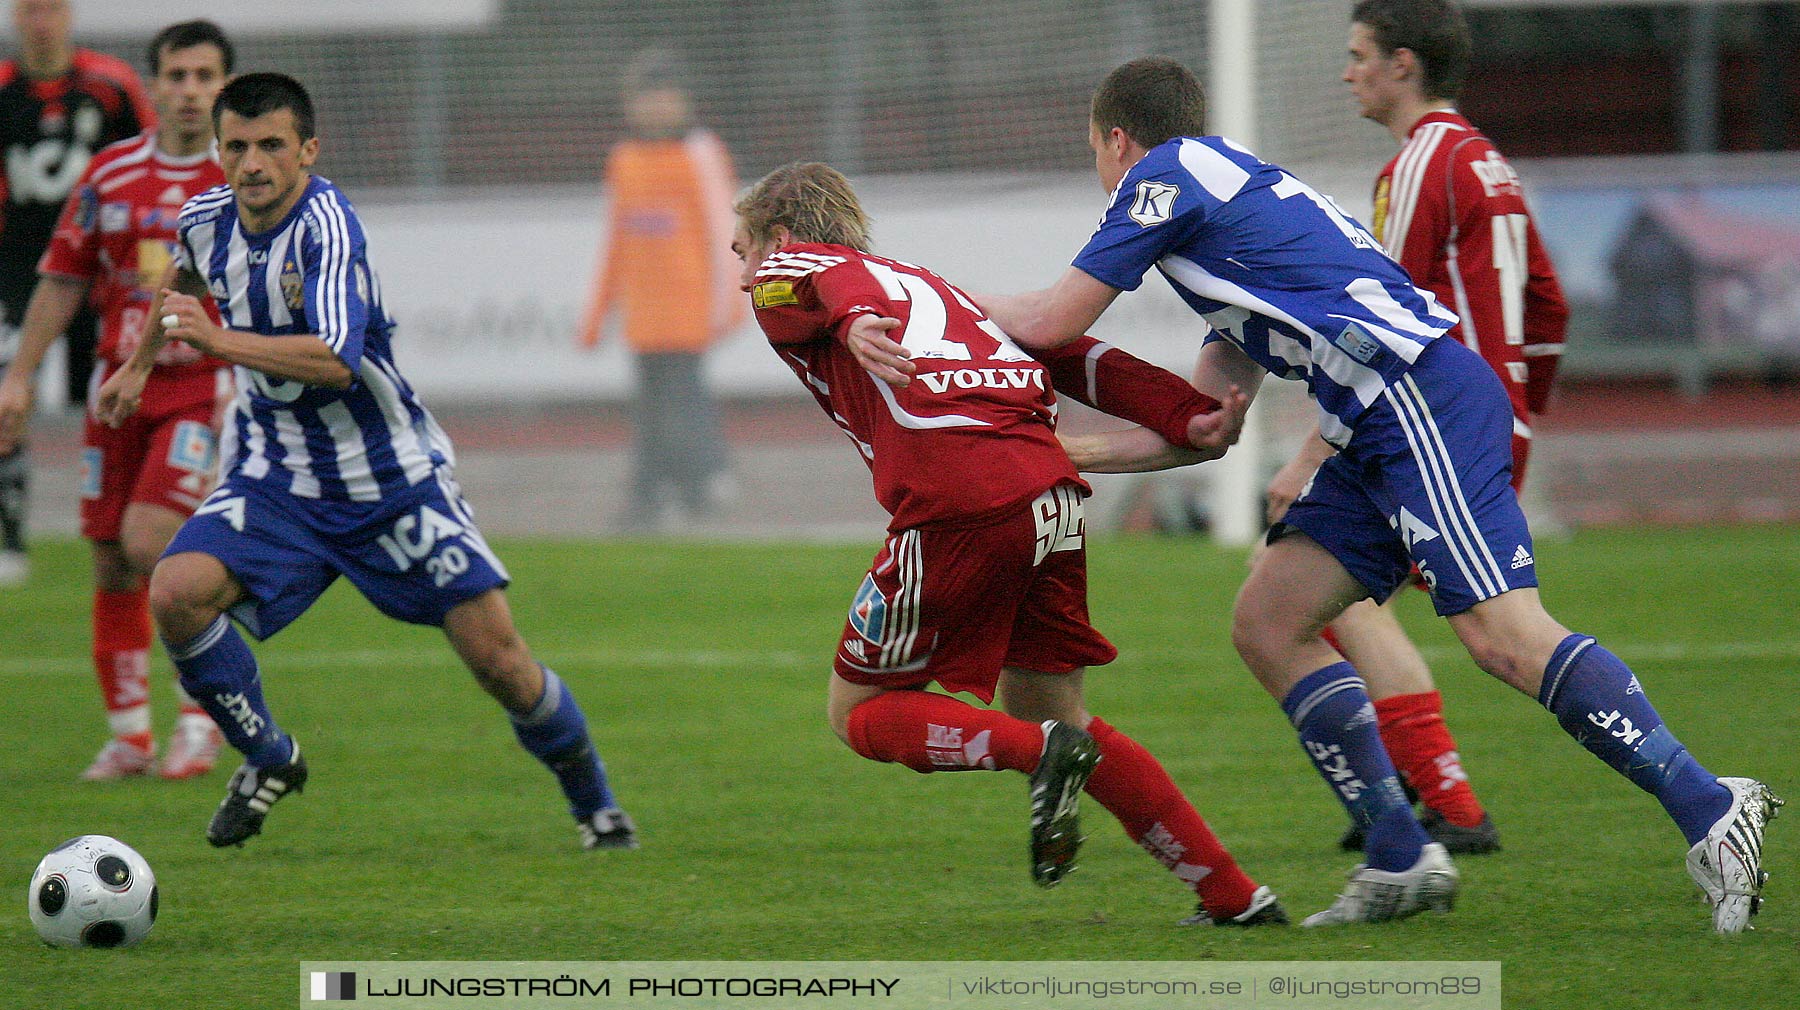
(332, 467)
(1290, 286)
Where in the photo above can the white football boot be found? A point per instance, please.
(1727, 863)
(1380, 895)
(609, 828)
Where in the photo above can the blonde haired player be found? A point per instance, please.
(981, 585)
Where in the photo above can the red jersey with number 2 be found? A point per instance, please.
(973, 434)
(117, 231)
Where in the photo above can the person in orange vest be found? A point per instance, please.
(667, 270)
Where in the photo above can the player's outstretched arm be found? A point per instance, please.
(1116, 382)
(301, 357)
(1054, 316)
(54, 302)
(1208, 435)
(1130, 450)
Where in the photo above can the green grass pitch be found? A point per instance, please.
(425, 834)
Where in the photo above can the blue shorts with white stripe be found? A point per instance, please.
(1426, 481)
(414, 555)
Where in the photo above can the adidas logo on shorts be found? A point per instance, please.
(1521, 558)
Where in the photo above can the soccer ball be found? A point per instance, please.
(92, 891)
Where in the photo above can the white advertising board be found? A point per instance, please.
(488, 291)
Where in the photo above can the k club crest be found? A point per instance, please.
(1153, 203)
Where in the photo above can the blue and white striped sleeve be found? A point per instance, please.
(1155, 210)
(183, 256)
(200, 209)
(337, 277)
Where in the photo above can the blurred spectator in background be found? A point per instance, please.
(667, 268)
(58, 105)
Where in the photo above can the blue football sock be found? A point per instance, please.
(1336, 720)
(218, 671)
(557, 734)
(1599, 702)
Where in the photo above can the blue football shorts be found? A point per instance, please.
(414, 555)
(1426, 481)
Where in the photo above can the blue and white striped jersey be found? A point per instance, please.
(310, 274)
(1272, 266)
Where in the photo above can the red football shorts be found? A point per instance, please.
(956, 605)
(165, 454)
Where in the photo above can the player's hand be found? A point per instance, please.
(15, 411)
(1286, 486)
(1218, 430)
(886, 360)
(185, 319)
(120, 396)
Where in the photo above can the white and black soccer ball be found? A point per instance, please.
(92, 891)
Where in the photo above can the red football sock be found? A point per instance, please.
(1413, 730)
(930, 732)
(1132, 784)
(122, 661)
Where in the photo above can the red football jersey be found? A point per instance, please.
(973, 434)
(1451, 210)
(117, 231)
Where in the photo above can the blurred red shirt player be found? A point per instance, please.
(58, 105)
(112, 249)
(1451, 210)
(981, 585)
